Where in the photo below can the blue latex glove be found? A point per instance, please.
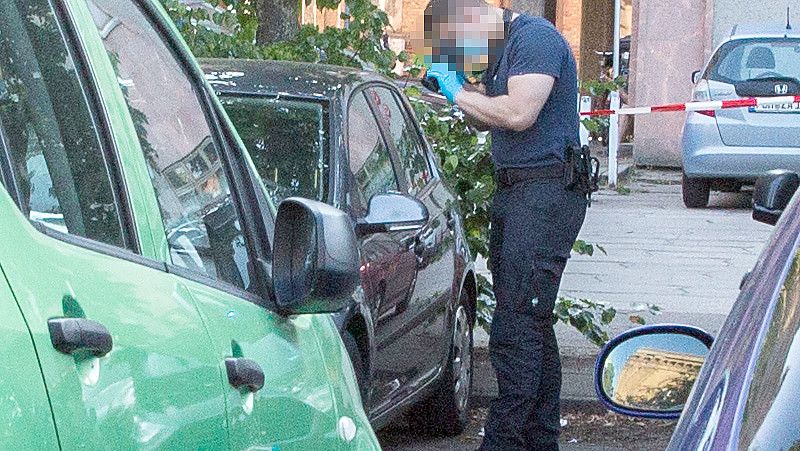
(450, 82)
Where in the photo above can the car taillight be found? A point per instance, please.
(702, 93)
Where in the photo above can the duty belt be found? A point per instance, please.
(511, 176)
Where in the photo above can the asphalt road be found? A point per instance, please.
(687, 262)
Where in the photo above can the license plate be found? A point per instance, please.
(781, 108)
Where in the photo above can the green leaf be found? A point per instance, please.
(451, 162)
(608, 315)
(636, 319)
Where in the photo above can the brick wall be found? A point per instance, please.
(569, 20)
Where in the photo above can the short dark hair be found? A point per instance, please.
(443, 11)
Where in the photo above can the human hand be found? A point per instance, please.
(450, 81)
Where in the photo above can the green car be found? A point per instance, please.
(143, 303)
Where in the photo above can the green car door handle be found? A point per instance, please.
(71, 335)
(244, 373)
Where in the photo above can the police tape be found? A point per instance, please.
(702, 107)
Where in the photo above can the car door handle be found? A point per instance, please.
(244, 373)
(71, 335)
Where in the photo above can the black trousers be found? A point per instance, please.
(534, 225)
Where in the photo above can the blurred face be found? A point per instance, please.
(466, 38)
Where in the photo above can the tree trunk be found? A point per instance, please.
(278, 20)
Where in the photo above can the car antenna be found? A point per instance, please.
(788, 19)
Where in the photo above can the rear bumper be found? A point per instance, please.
(705, 156)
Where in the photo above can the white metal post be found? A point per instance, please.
(584, 106)
(613, 129)
(613, 141)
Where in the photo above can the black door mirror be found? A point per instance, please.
(772, 194)
(315, 258)
(391, 212)
(649, 372)
(696, 76)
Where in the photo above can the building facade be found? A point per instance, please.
(668, 41)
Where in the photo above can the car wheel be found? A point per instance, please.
(359, 369)
(447, 411)
(695, 192)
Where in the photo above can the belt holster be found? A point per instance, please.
(582, 171)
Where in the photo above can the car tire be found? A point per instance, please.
(695, 192)
(446, 412)
(359, 369)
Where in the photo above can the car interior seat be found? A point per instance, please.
(760, 60)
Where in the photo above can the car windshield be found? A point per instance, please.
(287, 140)
(753, 59)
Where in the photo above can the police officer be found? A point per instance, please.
(528, 98)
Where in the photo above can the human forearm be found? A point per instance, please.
(496, 112)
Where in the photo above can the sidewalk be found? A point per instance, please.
(688, 262)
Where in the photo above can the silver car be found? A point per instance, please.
(727, 149)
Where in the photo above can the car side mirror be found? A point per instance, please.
(649, 372)
(772, 194)
(392, 212)
(315, 267)
(696, 76)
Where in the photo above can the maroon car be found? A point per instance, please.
(350, 138)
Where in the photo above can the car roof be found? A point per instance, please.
(749, 31)
(290, 78)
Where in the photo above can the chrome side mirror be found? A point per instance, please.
(649, 372)
(391, 212)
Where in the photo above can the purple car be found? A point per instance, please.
(744, 391)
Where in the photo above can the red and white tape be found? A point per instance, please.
(699, 106)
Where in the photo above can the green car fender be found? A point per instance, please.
(26, 421)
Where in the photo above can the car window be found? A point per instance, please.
(770, 417)
(370, 161)
(59, 169)
(201, 221)
(288, 142)
(751, 59)
(405, 137)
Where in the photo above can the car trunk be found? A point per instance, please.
(758, 68)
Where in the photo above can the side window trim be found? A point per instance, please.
(411, 119)
(240, 181)
(402, 184)
(385, 130)
(6, 174)
(361, 90)
(101, 248)
(97, 111)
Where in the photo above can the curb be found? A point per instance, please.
(577, 384)
(625, 171)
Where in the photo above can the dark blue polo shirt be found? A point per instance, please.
(534, 46)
